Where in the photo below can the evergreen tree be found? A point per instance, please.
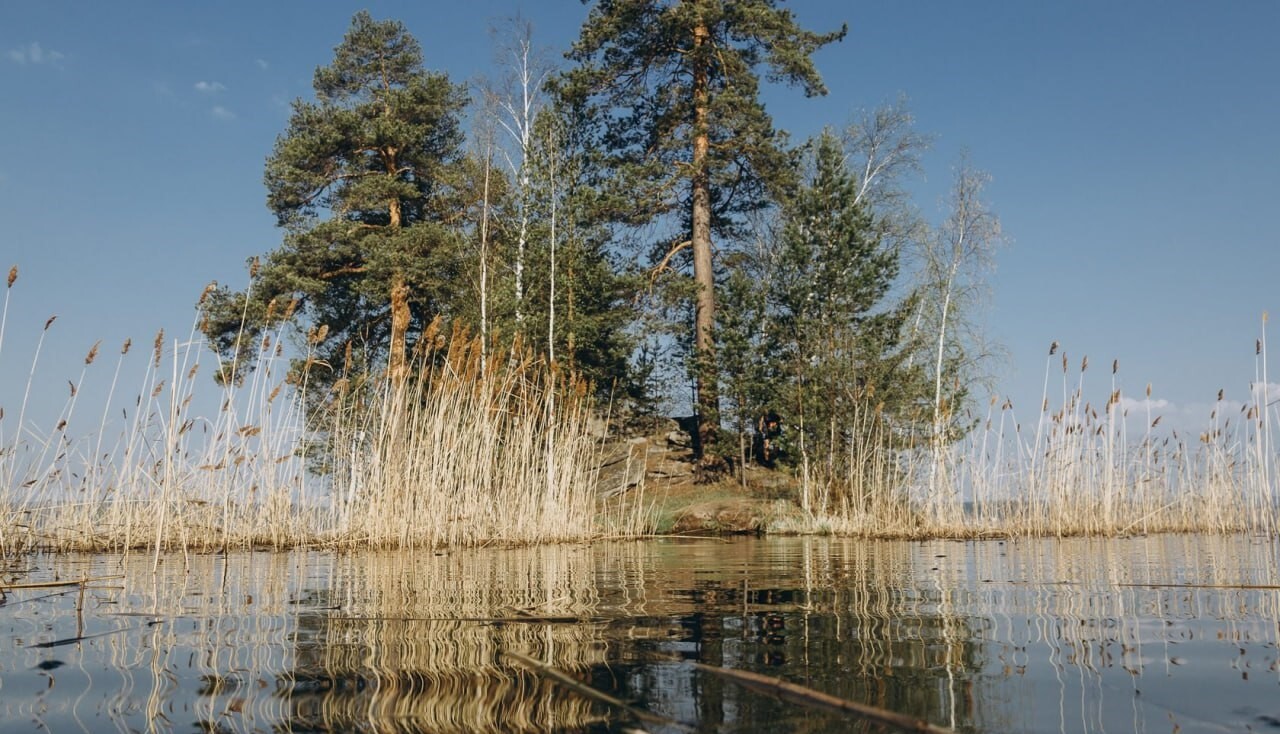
(364, 183)
(827, 343)
(673, 87)
(747, 353)
(832, 271)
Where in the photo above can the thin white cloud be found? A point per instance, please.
(33, 53)
(210, 87)
(1129, 405)
(222, 113)
(262, 64)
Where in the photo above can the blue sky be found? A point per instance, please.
(1132, 147)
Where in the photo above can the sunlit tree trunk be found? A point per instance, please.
(940, 415)
(397, 362)
(957, 259)
(551, 297)
(703, 275)
(520, 102)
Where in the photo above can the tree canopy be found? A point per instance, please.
(672, 91)
(643, 188)
(811, 328)
(365, 182)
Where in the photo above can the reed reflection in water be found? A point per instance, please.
(1052, 636)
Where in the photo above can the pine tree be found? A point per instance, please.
(364, 182)
(673, 87)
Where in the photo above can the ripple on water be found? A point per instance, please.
(993, 636)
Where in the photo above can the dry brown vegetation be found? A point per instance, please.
(465, 454)
(1082, 468)
(480, 449)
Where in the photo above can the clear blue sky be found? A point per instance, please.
(1133, 148)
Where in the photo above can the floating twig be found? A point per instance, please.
(583, 689)
(516, 619)
(82, 638)
(803, 696)
(57, 584)
(1255, 587)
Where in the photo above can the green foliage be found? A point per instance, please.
(635, 79)
(366, 182)
(811, 328)
(747, 342)
(597, 249)
(575, 304)
(670, 91)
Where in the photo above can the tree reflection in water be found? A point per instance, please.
(1054, 636)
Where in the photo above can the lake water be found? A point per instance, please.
(1164, 634)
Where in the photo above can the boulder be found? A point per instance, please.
(723, 516)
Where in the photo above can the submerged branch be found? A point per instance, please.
(57, 584)
(800, 695)
(586, 690)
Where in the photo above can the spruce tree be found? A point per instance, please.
(364, 182)
(673, 87)
(813, 328)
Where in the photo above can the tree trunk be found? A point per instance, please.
(397, 364)
(484, 263)
(551, 298)
(705, 305)
(939, 416)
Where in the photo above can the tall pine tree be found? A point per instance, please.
(673, 86)
(364, 182)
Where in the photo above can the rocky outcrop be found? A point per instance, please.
(661, 466)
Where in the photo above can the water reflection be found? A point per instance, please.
(1050, 636)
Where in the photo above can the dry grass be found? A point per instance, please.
(467, 454)
(1081, 469)
(474, 451)
(462, 455)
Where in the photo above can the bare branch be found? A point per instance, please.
(665, 263)
(883, 147)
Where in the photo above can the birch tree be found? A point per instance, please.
(883, 150)
(518, 99)
(956, 262)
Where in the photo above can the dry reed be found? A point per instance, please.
(475, 451)
(470, 452)
(461, 455)
(1085, 469)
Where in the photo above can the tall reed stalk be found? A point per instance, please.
(466, 454)
(470, 452)
(1086, 469)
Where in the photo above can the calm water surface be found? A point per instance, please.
(1171, 634)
